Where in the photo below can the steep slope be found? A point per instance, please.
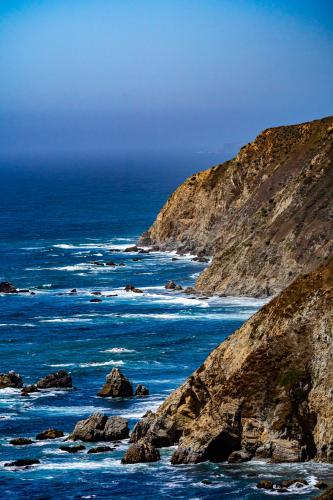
(266, 216)
(267, 389)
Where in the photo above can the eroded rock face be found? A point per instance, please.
(99, 427)
(58, 380)
(264, 216)
(142, 451)
(265, 391)
(116, 386)
(10, 379)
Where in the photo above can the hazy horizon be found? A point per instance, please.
(105, 77)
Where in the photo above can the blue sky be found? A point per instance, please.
(105, 75)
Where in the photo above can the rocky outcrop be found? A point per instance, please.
(58, 380)
(49, 434)
(99, 427)
(72, 449)
(265, 216)
(6, 287)
(20, 441)
(141, 390)
(140, 452)
(265, 392)
(116, 386)
(10, 379)
(22, 462)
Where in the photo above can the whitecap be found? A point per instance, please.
(118, 350)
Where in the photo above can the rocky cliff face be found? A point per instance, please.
(266, 216)
(266, 390)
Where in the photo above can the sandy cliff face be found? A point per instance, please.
(266, 216)
(266, 390)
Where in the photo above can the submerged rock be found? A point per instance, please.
(6, 287)
(237, 457)
(58, 380)
(100, 449)
(141, 390)
(20, 441)
(265, 484)
(142, 451)
(132, 249)
(10, 379)
(72, 449)
(95, 300)
(116, 386)
(49, 434)
(22, 462)
(99, 427)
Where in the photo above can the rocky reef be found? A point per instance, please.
(266, 216)
(265, 392)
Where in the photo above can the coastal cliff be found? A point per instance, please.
(266, 216)
(265, 392)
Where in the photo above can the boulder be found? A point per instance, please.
(299, 482)
(132, 249)
(131, 288)
(321, 485)
(142, 250)
(58, 380)
(237, 457)
(116, 386)
(49, 434)
(170, 285)
(28, 389)
(100, 449)
(22, 462)
(142, 451)
(141, 390)
(110, 263)
(6, 287)
(265, 484)
(10, 379)
(178, 287)
(121, 264)
(72, 449)
(201, 259)
(99, 427)
(96, 293)
(95, 300)
(73, 291)
(20, 441)
(189, 290)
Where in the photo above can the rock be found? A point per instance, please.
(237, 457)
(23, 290)
(10, 379)
(110, 263)
(174, 258)
(178, 287)
(72, 449)
(293, 482)
(97, 263)
(189, 290)
(95, 300)
(142, 250)
(6, 287)
(28, 389)
(170, 285)
(113, 295)
(116, 386)
(20, 441)
(22, 462)
(131, 288)
(121, 264)
(327, 495)
(321, 485)
(200, 259)
(132, 249)
(136, 259)
(49, 434)
(74, 290)
(141, 390)
(99, 427)
(265, 484)
(96, 293)
(58, 380)
(141, 452)
(100, 449)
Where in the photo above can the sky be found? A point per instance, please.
(105, 76)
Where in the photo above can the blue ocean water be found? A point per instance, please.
(56, 218)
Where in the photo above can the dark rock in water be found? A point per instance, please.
(72, 449)
(327, 495)
(116, 386)
(97, 263)
(20, 441)
(110, 263)
(170, 285)
(74, 290)
(49, 434)
(22, 462)
(95, 300)
(6, 287)
(58, 380)
(28, 389)
(142, 451)
(237, 457)
(96, 293)
(114, 250)
(174, 258)
(190, 290)
(321, 485)
(178, 287)
(142, 250)
(10, 379)
(131, 288)
(291, 482)
(132, 249)
(100, 449)
(23, 290)
(33, 293)
(121, 264)
(207, 481)
(136, 259)
(99, 427)
(265, 484)
(200, 259)
(113, 295)
(141, 390)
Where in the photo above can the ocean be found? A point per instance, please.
(58, 217)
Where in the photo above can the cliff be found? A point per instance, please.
(266, 216)
(266, 390)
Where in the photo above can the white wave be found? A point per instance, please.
(91, 364)
(65, 320)
(30, 325)
(118, 350)
(82, 464)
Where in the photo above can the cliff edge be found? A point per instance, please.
(266, 216)
(265, 392)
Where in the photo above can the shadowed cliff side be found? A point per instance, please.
(266, 216)
(266, 390)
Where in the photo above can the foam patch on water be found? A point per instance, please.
(91, 364)
(118, 350)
